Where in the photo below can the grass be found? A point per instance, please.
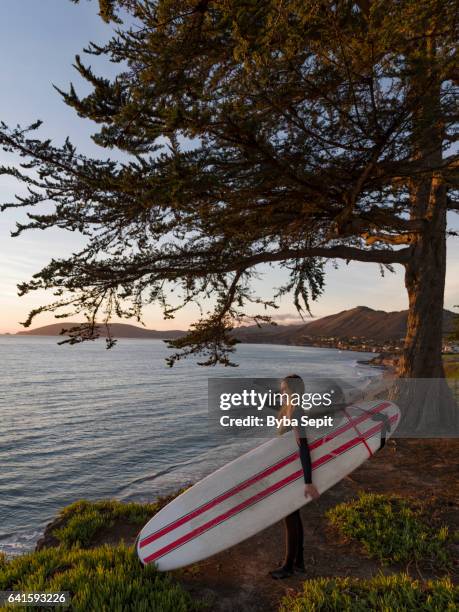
(451, 365)
(392, 530)
(111, 579)
(106, 579)
(79, 523)
(378, 594)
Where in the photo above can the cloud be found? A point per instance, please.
(289, 318)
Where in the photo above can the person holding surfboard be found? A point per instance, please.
(294, 559)
(261, 487)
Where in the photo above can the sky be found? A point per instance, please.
(38, 42)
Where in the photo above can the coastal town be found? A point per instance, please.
(367, 345)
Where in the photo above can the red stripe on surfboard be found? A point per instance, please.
(343, 428)
(254, 499)
(194, 513)
(370, 453)
(256, 478)
(258, 496)
(266, 472)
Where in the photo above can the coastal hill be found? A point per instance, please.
(118, 330)
(360, 322)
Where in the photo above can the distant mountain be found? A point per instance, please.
(118, 330)
(360, 322)
(267, 333)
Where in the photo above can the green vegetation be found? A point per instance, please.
(379, 594)
(106, 579)
(391, 529)
(111, 579)
(83, 520)
(454, 335)
(450, 358)
(451, 365)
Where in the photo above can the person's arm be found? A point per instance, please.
(305, 458)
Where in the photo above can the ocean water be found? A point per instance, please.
(83, 422)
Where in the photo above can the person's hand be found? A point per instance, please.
(311, 491)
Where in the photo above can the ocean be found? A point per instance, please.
(83, 422)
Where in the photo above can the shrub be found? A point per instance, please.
(379, 594)
(106, 579)
(391, 529)
(83, 520)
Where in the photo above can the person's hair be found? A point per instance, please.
(294, 384)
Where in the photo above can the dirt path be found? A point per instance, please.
(238, 581)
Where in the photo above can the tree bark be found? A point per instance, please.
(425, 271)
(427, 403)
(425, 284)
(428, 407)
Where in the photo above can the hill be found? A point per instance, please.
(118, 330)
(361, 322)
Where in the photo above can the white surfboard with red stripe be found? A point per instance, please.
(260, 488)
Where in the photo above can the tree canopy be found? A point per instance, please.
(255, 132)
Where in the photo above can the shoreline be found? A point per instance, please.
(379, 352)
(384, 361)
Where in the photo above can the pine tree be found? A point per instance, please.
(256, 132)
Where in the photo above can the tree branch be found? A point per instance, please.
(388, 239)
(384, 256)
(208, 267)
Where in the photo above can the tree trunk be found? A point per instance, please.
(425, 272)
(425, 283)
(428, 406)
(425, 399)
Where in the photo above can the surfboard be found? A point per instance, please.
(261, 487)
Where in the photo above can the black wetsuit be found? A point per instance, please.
(294, 535)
